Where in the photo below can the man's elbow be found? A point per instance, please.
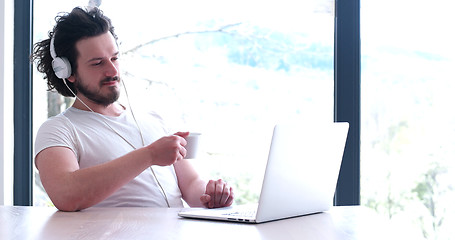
(66, 208)
(67, 205)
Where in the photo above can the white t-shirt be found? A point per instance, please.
(93, 143)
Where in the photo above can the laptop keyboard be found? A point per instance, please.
(243, 213)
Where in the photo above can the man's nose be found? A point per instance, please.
(111, 69)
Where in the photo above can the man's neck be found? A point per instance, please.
(113, 109)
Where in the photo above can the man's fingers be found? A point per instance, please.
(220, 194)
(205, 199)
(230, 199)
(182, 134)
(219, 190)
(225, 195)
(209, 190)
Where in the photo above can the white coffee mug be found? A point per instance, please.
(192, 146)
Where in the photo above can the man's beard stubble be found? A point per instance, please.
(95, 96)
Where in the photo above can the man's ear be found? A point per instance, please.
(71, 78)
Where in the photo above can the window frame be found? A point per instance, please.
(23, 129)
(346, 99)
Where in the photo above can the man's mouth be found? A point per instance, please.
(110, 81)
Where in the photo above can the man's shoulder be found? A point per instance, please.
(58, 120)
(55, 131)
(59, 117)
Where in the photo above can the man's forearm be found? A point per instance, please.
(83, 188)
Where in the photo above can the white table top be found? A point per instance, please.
(162, 223)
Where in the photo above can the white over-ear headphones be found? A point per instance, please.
(61, 65)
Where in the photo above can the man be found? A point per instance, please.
(96, 153)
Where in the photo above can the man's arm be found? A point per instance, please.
(71, 188)
(199, 193)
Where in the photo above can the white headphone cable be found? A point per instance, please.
(126, 140)
(143, 143)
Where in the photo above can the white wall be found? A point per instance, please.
(6, 101)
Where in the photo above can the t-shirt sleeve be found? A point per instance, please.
(56, 132)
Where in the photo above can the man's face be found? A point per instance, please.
(97, 76)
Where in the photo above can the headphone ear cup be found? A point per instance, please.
(62, 67)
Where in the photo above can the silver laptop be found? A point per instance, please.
(300, 177)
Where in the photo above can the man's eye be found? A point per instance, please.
(96, 63)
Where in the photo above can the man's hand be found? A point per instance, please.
(217, 194)
(168, 150)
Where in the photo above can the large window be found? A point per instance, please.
(229, 70)
(408, 126)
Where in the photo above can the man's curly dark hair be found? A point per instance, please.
(69, 28)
